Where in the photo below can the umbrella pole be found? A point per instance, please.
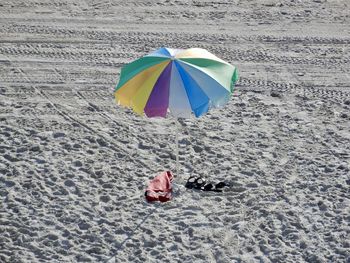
(177, 146)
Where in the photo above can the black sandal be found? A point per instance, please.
(221, 185)
(199, 183)
(210, 187)
(216, 188)
(195, 182)
(190, 182)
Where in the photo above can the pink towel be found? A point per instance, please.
(160, 188)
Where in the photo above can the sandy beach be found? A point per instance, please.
(74, 165)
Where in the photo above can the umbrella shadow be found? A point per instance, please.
(129, 236)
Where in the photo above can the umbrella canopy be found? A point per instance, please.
(176, 82)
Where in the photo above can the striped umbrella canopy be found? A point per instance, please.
(178, 82)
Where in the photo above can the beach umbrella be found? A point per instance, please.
(176, 82)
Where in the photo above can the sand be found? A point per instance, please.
(74, 165)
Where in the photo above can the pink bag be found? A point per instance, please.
(160, 188)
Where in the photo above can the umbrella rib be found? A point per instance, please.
(133, 72)
(152, 86)
(204, 73)
(130, 89)
(188, 95)
(199, 68)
